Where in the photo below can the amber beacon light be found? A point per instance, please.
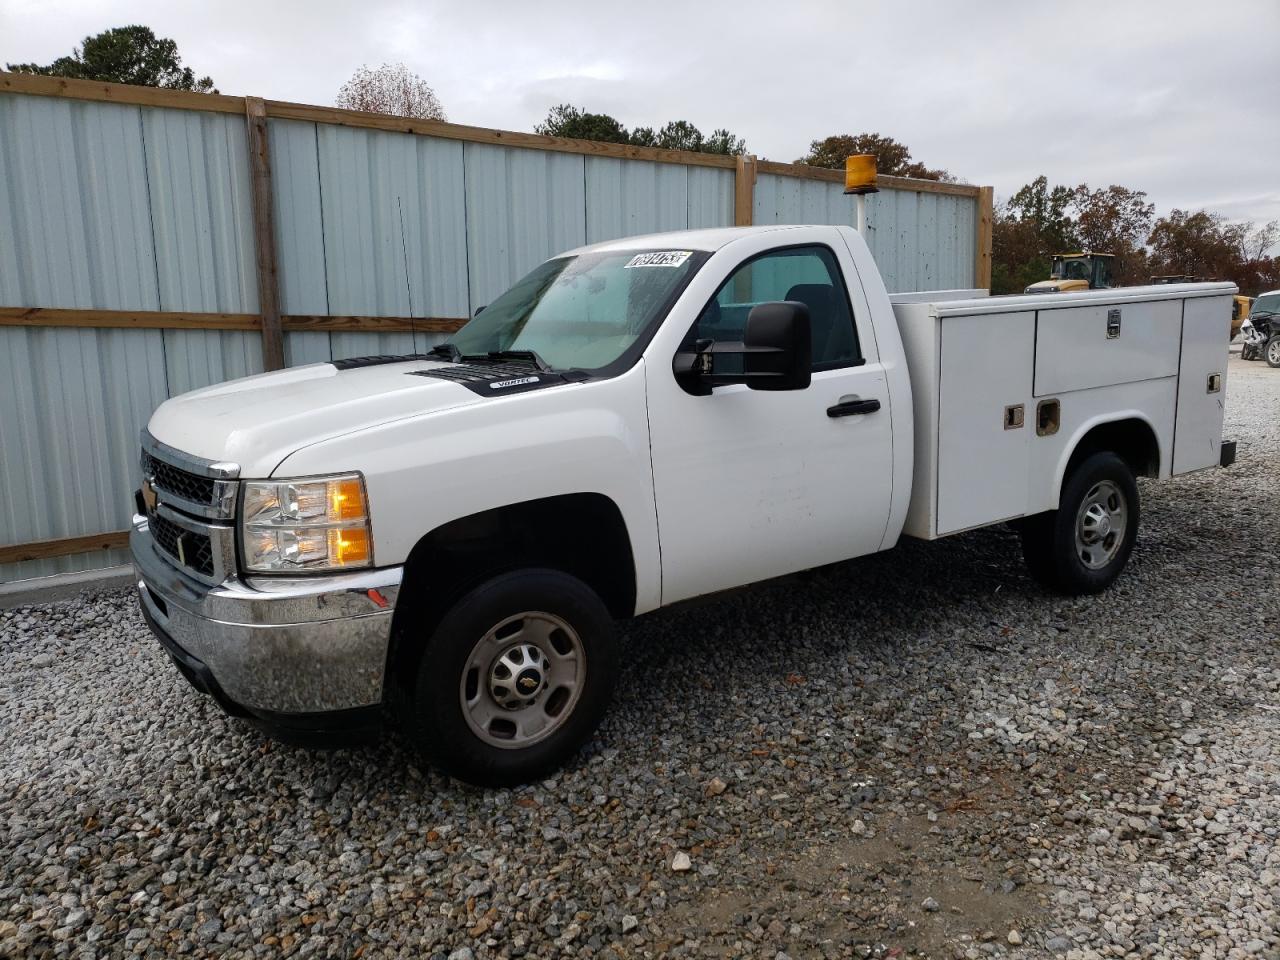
(859, 180)
(860, 174)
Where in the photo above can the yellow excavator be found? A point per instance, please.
(1076, 271)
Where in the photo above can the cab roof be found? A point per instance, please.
(709, 240)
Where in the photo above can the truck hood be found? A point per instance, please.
(258, 421)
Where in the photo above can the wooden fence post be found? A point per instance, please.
(264, 234)
(982, 252)
(744, 191)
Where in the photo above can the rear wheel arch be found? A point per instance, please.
(1133, 439)
(581, 534)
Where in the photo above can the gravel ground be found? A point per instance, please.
(919, 753)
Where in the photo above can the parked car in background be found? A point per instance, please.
(1262, 331)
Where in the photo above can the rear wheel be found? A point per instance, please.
(1273, 351)
(514, 680)
(1083, 545)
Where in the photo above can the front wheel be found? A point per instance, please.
(1273, 350)
(1083, 545)
(514, 679)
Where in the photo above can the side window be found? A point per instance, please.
(806, 274)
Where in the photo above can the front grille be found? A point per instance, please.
(178, 482)
(197, 549)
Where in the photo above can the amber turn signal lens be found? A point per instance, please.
(348, 546)
(346, 500)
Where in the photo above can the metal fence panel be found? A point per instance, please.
(710, 197)
(201, 209)
(394, 228)
(75, 223)
(295, 193)
(394, 223)
(523, 206)
(73, 403)
(629, 197)
(198, 358)
(921, 241)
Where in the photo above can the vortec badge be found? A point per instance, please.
(517, 382)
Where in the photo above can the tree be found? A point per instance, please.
(392, 89)
(892, 158)
(1047, 211)
(722, 141)
(1191, 244)
(1116, 220)
(565, 120)
(1203, 244)
(1040, 220)
(124, 55)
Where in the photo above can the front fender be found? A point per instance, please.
(424, 472)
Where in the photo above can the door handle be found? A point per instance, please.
(852, 406)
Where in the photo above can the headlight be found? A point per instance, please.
(319, 523)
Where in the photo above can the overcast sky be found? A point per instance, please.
(1177, 97)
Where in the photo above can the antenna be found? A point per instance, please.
(408, 288)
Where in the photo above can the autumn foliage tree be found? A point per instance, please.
(392, 89)
(1203, 244)
(1115, 220)
(1041, 219)
(892, 158)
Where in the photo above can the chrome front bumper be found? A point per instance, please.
(272, 647)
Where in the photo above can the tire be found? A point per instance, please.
(532, 626)
(1272, 351)
(1074, 550)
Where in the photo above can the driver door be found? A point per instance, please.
(753, 484)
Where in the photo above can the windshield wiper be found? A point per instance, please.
(447, 351)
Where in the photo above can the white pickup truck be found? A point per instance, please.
(450, 538)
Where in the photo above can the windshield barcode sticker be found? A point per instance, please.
(660, 258)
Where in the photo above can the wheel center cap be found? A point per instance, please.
(1104, 525)
(528, 681)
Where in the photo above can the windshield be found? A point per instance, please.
(1072, 268)
(582, 311)
(1267, 303)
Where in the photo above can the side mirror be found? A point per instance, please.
(779, 346)
(776, 353)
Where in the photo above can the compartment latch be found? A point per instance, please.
(1113, 324)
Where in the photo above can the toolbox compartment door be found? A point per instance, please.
(1078, 348)
(1197, 432)
(982, 460)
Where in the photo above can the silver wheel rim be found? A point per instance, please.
(521, 682)
(1101, 524)
(1273, 351)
